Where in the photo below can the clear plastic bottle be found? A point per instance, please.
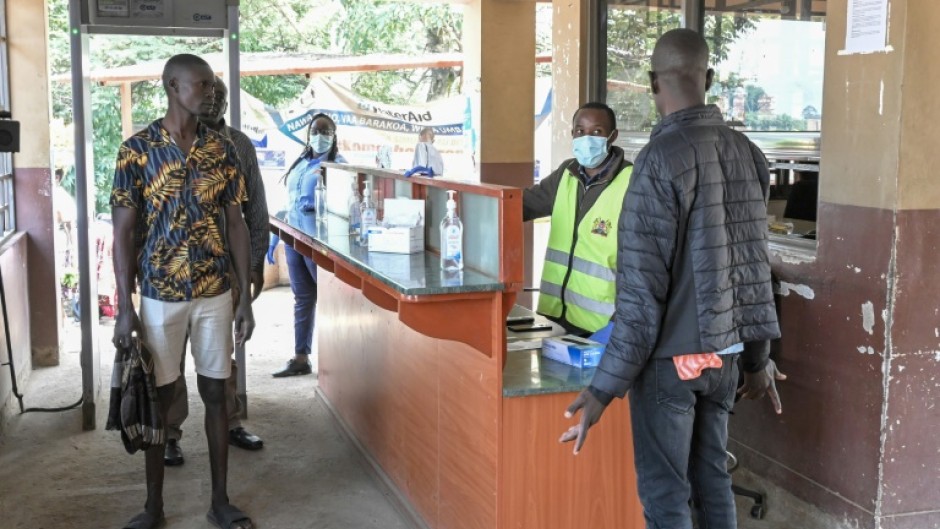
(352, 206)
(367, 215)
(319, 198)
(451, 238)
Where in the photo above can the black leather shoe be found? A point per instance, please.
(172, 453)
(242, 438)
(294, 368)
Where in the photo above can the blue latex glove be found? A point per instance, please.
(420, 171)
(602, 335)
(274, 242)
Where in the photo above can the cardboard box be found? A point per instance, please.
(396, 240)
(573, 350)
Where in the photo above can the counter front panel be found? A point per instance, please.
(414, 364)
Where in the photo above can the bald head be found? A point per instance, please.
(190, 85)
(680, 51)
(178, 64)
(680, 75)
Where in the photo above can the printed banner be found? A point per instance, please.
(363, 127)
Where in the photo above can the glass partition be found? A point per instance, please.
(768, 65)
(768, 57)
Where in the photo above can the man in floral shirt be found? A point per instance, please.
(176, 183)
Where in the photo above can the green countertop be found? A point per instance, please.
(414, 274)
(527, 373)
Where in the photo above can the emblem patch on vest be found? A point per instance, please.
(600, 227)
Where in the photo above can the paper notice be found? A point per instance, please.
(867, 27)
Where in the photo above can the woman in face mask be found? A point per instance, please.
(301, 180)
(304, 173)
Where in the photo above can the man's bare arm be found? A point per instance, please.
(239, 245)
(125, 273)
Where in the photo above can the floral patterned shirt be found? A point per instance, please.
(180, 201)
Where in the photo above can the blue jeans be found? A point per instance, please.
(303, 283)
(680, 432)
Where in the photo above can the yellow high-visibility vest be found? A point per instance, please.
(580, 271)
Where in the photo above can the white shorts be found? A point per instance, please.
(209, 324)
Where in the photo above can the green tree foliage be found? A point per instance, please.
(294, 27)
(401, 27)
(779, 122)
(631, 35)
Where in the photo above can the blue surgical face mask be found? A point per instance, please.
(320, 143)
(590, 151)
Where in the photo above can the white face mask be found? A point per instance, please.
(321, 143)
(590, 151)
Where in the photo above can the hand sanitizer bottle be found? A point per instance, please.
(319, 198)
(367, 214)
(451, 238)
(352, 206)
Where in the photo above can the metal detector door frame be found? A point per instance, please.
(80, 28)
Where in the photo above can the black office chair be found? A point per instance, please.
(757, 510)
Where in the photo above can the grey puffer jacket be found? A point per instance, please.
(693, 268)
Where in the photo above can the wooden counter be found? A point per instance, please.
(414, 368)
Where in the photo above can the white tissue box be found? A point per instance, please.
(573, 350)
(396, 239)
(404, 227)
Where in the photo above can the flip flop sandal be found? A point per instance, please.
(228, 517)
(145, 520)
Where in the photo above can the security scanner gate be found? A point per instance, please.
(180, 18)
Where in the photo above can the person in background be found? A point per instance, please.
(693, 292)
(255, 210)
(584, 197)
(65, 213)
(175, 184)
(427, 159)
(301, 179)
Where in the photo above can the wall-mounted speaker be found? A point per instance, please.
(9, 135)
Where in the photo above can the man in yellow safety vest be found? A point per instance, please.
(584, 197)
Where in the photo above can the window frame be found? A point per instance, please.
(693, 17)
(7, 194)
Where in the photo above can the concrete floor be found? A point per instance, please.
(55, 476)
